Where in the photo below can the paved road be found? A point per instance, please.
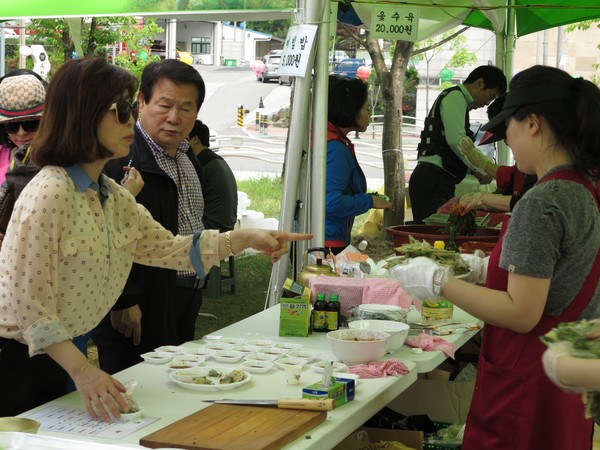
(251, 153)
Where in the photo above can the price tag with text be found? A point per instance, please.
(296, 50)
(394, 22)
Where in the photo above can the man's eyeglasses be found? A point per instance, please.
(124, 109)
(28, 126)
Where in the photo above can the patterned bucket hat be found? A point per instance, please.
(21, 98)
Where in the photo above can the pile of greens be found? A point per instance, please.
(416, 248)
(583, 347)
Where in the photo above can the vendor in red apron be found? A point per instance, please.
(543, 271)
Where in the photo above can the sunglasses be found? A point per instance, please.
(28, 126)
(124, 109)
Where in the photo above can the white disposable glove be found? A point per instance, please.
(470, 201)
(478, 263)
(473, 154)
(417, 277)
(550, 360)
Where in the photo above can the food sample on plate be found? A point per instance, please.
(246, 348)
(288, 345)
(257, 366)
(209, 379)
(219, 346)
(304, 354)
(277, 351)
(174, 349)
(290, 362)
(228, 356)
(261, 342)
(157, 357)
(260, 357)
(233, 340)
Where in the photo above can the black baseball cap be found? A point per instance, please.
(519, 97)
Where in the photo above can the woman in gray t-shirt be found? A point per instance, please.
(543, 271)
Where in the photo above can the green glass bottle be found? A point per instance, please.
(452, 239)
(319, 314)
(333, 312)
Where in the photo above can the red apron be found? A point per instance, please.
(515, 406)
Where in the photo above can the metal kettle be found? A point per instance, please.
(314, 270)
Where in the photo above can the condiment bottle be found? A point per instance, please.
(452, 239)
(333, 313)
(319, 314)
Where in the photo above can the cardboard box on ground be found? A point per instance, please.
(433, 395)
(437, 397)
(407, 440)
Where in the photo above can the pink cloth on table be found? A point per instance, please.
(378, 369)
(355, 291)
(428, 342)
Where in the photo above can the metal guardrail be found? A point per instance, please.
(253, 147)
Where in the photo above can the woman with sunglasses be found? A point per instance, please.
(21, 106)
(73, 238)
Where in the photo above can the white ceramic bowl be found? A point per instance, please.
(397, 330)
(358, 346)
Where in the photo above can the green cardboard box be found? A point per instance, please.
(294, 316)
(342, 391)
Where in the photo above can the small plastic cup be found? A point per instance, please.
(293, 374)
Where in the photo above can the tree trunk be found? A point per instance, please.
(393, 158)
(91, 43)
(392, 87)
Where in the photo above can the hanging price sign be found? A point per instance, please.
(396, 23)
(296, 50)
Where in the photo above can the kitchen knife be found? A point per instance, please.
(285, 403)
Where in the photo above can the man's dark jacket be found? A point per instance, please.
(149, 284)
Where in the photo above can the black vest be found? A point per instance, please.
(433, 139)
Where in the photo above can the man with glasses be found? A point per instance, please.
(441, 165)
(159, 306)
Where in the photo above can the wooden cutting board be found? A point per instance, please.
(228, 427)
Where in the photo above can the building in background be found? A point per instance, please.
(220, 43)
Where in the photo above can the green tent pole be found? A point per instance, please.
(504, 155)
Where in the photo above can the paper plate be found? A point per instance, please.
(208, 378)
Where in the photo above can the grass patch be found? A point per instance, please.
(252, 281)
(264, 194)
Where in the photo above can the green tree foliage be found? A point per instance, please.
(277, 28)
(586, 25)
(97, 35)
(138, 42)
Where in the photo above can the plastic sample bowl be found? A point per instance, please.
(398, 331)
(358, 346)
